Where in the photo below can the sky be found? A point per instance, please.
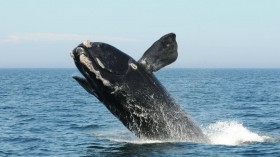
(210, 34)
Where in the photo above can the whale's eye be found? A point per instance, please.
(80, 50)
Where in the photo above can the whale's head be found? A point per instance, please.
(103, 65)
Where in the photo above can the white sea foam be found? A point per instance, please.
(219, 133)
(232, 133)
(124, 137)
(136, 141)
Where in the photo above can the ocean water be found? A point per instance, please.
(44, 112)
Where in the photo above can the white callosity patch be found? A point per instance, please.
(133, 66)
(100, 63)
(87, 43)
(88, 63)
(143, 61)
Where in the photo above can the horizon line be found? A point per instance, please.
(162, 69)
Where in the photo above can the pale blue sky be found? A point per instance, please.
(210, 33)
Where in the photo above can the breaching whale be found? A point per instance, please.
(132, 93)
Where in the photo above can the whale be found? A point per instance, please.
(131, 92)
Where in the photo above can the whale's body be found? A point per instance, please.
(132, 93)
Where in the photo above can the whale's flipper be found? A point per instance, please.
(85, 84)
(160, 54)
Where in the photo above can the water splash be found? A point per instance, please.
(124, 136)
(219, 133)
(232, 133)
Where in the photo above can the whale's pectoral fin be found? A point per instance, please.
(85, 84)
(160, 54)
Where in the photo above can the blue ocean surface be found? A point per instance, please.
(44, 112)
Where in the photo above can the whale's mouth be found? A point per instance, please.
(102, 57)
(102, 67)
(89, 65)
(92, 69)
(100, 64)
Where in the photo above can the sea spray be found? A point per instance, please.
(219, 133)
(232, 133)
